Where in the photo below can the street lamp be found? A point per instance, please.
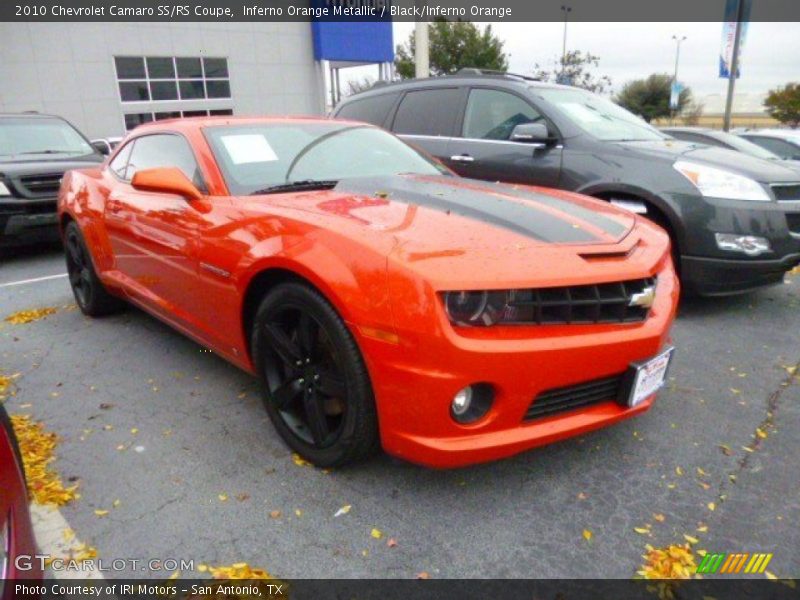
(566, 10)
(678, 42)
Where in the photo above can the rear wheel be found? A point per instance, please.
(315, 384)
(90, 294)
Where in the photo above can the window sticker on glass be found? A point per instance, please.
(248, 148)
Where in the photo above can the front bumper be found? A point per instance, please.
(414, 382)
(720, 277)
(27, 221)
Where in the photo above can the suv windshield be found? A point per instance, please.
(40, 136)
(256, 157)
(599, 117)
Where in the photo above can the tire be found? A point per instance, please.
(91, 295)
(315, 385)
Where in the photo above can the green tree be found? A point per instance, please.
(649, 98)
(574, 69)
(454, 45)
(783, 104)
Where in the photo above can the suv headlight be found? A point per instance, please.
(4, 191)
(719, 183)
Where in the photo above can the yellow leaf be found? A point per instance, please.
(770, 575)
(298, 512)
(702, 528)
(116, 503)
(711, 506)
(690, 539)
(101, 513)
(376, 533)
(587, 535)
(735, 391)
(223, 497)
(28, 316)
(659, 517)
(761, 433)
(300, 461)
(701, 472)
(134, 430)
(678, 471)
(642, 530)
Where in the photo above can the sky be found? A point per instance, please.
(771, 55)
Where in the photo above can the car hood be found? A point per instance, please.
(764, 171)
(461, 231)
(15, 168)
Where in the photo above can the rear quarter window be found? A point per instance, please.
(428, 112)
(372, 110)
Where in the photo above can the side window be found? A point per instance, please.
(492, 114)
(120, 162)
(371, 110)
(427, 112)
(164, 150)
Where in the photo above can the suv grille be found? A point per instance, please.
(41, 185)
(563, 399)
(599, 303)
(786, 192)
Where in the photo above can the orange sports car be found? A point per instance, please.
(381, 300)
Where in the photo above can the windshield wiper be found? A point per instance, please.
(52, 152)
(297, 186)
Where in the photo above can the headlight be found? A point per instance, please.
(4, 191)
(719, 183)
(475, 308)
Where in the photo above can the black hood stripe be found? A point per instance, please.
(446, 195)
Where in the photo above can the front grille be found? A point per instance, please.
(793, 220)
(786, 192)
(579, 304)
(40, 185)
(567, 398)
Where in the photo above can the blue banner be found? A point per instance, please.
(729, 34)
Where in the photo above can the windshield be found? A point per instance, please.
(38, 136)
(742, 145)
(599, 117)
(259, 156)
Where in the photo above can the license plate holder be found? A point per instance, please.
(645, 378)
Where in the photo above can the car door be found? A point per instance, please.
(484, 150)
(153, 234)
(426, 119)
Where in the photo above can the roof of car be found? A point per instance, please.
(689, 129)
(792, 134)
(30, 115)
(216, 121)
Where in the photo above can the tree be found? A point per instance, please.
(453, 45)
(783, 104)
(359, 85)
(649, 98)
(573, 69)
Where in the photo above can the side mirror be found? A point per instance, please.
(165, 180)
(531, 133)
(101, 146)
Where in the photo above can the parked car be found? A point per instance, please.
(378, 297)
(35, 151)
(16, 531)
(105, 146)
(783, 142)
(734, 220)
(730, 141)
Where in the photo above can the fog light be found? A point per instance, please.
(751, 245)
(472, 402)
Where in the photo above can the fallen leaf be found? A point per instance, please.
(423, 575)
(690, 539)
(242, 497)
(223, 497)
(673, 562)
(28, 316)
(587, 535)
(701, 472)
(391, 542)
(678, 471)
(240, 571)
(298, 512)
(711, 506)
(342, 511)
(659, 517)
(134, 430)
(101, 513)
(726, 450)
(376, 533)
(702, 528)
(300, 461)
(761, 433)
(116, 503)
(770, 575)
(275, 514)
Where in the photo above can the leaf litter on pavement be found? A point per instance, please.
(28, 316)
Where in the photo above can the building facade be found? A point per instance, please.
(106, 78)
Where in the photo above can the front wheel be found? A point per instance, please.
(90, 294)
(315, 385)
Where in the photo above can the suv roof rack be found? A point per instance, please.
(495, 73)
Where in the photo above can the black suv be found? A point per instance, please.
(35, 151)
(734, 220)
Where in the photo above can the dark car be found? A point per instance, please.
(35, 151)
(734, 220)
(783, 142)
(16, 531)
(730, 141)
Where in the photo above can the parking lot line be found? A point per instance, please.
(56, 539)
(34, 280)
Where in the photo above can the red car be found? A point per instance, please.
(16, 531)
(380, 299)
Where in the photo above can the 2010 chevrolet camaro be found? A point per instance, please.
(380, 299)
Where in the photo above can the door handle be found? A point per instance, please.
(462, 158)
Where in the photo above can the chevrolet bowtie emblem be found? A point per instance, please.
(645, 298)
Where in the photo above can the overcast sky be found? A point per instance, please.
(771, 55)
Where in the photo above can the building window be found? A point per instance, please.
(169, 78)
(133, 120)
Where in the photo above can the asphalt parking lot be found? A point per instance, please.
(199, 473)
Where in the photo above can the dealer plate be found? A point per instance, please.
(649, 377)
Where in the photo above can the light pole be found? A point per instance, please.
(566, 10)
(678, 42)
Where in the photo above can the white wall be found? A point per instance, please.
(67, 68)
